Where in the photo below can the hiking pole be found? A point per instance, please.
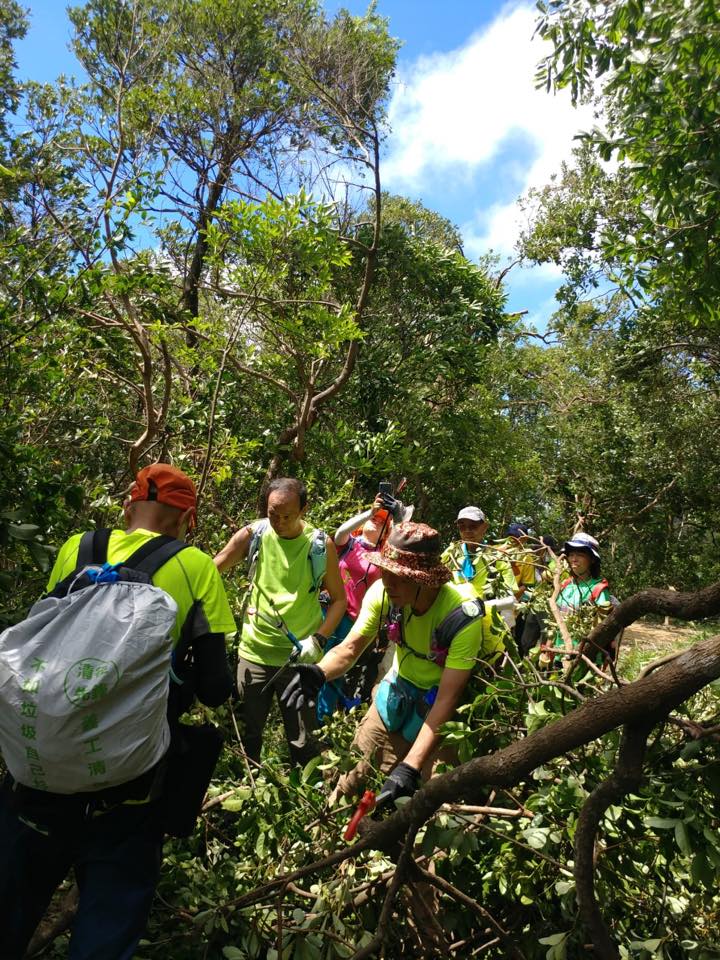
(280, 624)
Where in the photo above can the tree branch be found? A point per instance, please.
(511, 948)
(624, 779)
(684, 605)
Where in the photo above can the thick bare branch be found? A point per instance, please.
(652, 696)
(685, 606)
(624, 779)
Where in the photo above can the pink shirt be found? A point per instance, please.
(357, 574)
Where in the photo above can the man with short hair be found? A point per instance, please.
(283, 600)
(472, 561)
(113, 840)
(438, 629)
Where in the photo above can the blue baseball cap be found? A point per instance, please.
(517, 530)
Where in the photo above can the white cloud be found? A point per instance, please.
(455, 113)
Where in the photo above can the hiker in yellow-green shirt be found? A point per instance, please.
(438, 630)
(471, 560)
(283, 614)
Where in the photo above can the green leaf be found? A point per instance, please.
(40, 554)
(553, 940)
(235, 802)
(650, 945)
(74, 496)
(310, 768)
(701, 870)
(23, 531)
(682, 838)
(661, 823)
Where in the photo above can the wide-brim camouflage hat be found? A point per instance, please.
(413, 550)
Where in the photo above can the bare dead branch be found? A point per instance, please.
(624, 779)
(512, 949)
(405, 861)
(696, 605)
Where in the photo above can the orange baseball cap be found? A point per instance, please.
(165, 484)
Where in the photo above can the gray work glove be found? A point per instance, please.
(311, 649)
(303, 687)
(394, 507)
(402, 782)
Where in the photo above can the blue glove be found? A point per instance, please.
(402, 782)
(303, 687)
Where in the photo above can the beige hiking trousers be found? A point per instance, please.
(382, 751)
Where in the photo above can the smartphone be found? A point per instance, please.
(385, 487)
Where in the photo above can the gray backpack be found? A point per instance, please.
(84, 678)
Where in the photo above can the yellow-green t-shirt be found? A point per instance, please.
(471, 643)
(524, 562)
(492, 574)
(284, 575)
(190, 578)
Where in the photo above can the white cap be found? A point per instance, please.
(583, 541)
(471, 513)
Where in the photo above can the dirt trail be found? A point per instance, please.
(655, 636)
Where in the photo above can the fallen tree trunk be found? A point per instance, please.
(651, 696)
(670, 603)
(636, 705)
(654, 695)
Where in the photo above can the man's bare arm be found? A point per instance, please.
(338, 661)
(235, 550)
(334, 586)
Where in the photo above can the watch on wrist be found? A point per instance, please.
(322, 640)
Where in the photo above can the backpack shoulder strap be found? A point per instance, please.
(254, 546)
(598, 589)
(92, 551)
(318, 557)
(346, 547)
(154, 554)
(456, 620)
(93, 548)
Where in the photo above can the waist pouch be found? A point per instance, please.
(402, 706)
(191, 760)
(63, 812)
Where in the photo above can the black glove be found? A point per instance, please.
(394, 507)
(402, 782)
(303, 687)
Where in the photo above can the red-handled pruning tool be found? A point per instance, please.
(366, 804)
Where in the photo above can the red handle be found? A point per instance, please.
(365, 806)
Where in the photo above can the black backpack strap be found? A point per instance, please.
(154, 554)
(456, 620)
(93, 548)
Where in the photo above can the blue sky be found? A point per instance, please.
(469, 133)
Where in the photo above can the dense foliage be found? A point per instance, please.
(199, 263)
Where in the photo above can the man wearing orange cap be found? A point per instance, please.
(114, 842)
